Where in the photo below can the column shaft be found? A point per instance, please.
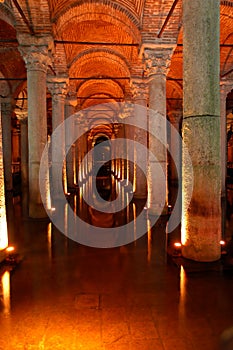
(22, 115)
(58, 90)
(201, 219)
(37, 59)
(70, 157)
(140, 99)
(7, 143)
(157, 62)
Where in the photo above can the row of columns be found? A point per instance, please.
(201, 218)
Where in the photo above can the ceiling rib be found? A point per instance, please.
(24, 17)
(167, 19)
(70, 42)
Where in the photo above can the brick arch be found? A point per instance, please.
(229, 53)
(96, 64)
(96, 12)
(174, 89)
(7, 15)
(174, 95)
(112, 6)
(110, 88)
(107, 52)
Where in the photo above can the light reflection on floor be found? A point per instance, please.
(64, 295)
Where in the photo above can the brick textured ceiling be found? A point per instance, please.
(107, 22)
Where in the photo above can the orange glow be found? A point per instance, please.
(74, 164)
(10, 249)
(149, 242)
(6, 291)
(222, 242)
(183, 231)
(182, 292)
(49, 239)
(3, 228)
(177, 245)
(135, 220)
(134, 172)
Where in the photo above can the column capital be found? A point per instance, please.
(139, 89)
(36, 51)
(35, 57)
(58, 86)
(4, 89)
(71, 99)
(157, 61)
(22, 115)
(6, 105)
(126, 110)
(225, 87)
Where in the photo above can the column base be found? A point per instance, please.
(203, 255)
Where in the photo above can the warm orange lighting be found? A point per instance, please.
(64, 176)
(177, 245)
(134, 226)
(6, 291)
(222, 242)
(182, 301)
(10, 249)
(149, 241)
(49, 240)
(184, 231)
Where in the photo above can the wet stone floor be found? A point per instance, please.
(67, 296)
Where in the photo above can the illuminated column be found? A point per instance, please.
(71, 103)
(79, 175)
(58, 88)
(81, 144)
(36, 56)
(3, 224)
(23, 118)
(157, 64)
(129, 134)
(6, 108)
(201, 223)
(140, 95)
(225, 88)
(120, 135)
(175, 118)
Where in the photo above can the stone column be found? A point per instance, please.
(23, 118)
(157, 64)
(6, 108)
(70, 106)
(58, 88)
(3, 221)
(36, 57)
(78, 160)
(81, 144)
(140, 95)
(225, 88)
(127, 112)
(201, 218)
(175, 118)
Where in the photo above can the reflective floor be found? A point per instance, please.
(64, 295)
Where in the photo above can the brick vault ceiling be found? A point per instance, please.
(99, 31)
